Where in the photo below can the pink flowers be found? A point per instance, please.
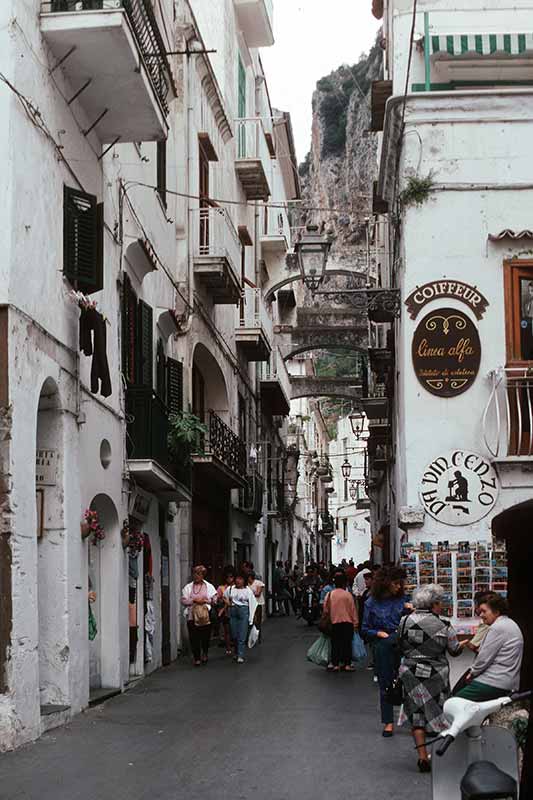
(95, 529)
(136, 541)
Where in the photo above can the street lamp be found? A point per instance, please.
(312, 251)
(346, 469)
(357, 422)
(353, 490)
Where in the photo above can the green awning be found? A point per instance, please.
(482, 44)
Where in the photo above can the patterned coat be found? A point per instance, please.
(424, 640)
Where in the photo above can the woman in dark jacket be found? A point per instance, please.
(383, 612)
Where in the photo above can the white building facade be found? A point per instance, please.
(456, 180)
(132, 291)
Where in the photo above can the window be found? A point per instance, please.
(137, 338)
(344, 530)
(83, 240)
(198, 393)
(241, 108)
(204, 200)
(162, 172)
(242, 418)
(519, 310)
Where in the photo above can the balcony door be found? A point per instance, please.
(519, 366)
(241, 108)
(204, 200)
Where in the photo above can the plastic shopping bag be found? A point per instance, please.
(253, 636)
(359, 654)
(320, 652)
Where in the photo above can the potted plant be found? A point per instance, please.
(186, 434)
(90, 526)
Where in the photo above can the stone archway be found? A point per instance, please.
(105, 566)
(209, 381)
(52, 590)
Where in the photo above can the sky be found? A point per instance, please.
(313, 37)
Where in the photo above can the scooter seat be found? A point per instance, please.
(484, 781)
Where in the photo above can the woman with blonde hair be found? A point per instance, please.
(197, 597)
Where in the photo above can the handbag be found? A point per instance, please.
(324, 624)
(359, 653)
(253, 637)
(394, 691)
(320, 651)
(200, 615)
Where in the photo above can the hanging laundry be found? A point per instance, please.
(149, 630)
(93, 336)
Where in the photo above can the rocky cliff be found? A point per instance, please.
(340, 168)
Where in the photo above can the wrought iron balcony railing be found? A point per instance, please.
(222, 443)
(147, 433)
(251, 498)
(508, 416)
(142, 19)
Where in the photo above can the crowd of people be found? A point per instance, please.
(408, 640)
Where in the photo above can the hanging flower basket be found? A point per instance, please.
(125, 534)
(136, 541)
(90, 526)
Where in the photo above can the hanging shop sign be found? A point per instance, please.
(446, 352)
(459, 488)
(46, 468)
(435, 290)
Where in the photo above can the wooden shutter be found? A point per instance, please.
(129, 331)
(174, 386)
(145, 345)
(161, 371)
(82, 240)
(162, 171)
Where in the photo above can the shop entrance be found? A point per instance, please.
(515, 525)
(210, 526)
(105, 579)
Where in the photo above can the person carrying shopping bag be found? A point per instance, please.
(242, 605)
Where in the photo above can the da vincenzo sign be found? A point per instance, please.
(446, 352)
(459, 488)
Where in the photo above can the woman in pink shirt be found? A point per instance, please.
(340, 606)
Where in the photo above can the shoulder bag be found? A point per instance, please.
(394, 692)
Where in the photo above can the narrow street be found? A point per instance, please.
(274, 729)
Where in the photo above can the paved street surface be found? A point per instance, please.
(277, 728)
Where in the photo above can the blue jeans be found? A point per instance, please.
(238, 620)
(385, 667)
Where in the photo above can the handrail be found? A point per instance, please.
(223, 443)
(508, 416)
(145, 28)
(214, 235)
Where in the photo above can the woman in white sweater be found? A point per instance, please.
(197, 598)
(242, 606)
(496, 670)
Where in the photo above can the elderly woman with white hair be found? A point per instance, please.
(424, 639)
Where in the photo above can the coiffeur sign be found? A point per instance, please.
(435, 290)
(446, 352)
(459, 488)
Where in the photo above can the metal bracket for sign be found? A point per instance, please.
(368, 299)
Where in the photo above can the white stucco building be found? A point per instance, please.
(348, 503)
(456, 179)
(120, 188)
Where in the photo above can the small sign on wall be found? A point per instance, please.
(46, 468)
(459, 488)
(464, 292)
(446, 352)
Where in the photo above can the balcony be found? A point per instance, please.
(217, 254)
(508, 416)
(252, 158)
(276, 236)
(255, 18)
(222, 458)
(275, 385)
(113, 55)
(254, 327)
(149, 461)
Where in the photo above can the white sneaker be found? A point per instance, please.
(240, 660)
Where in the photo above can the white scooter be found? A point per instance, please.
(483, 765)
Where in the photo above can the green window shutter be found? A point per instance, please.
(129, 331)
(241, 108)
(145, 345)
(174, 386)
(161, 371)
(82, 240)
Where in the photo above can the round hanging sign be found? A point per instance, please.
(459, 488)
(446, 352)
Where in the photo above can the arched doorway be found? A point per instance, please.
(515, 525)
(105, 567)
(51, 551)
(300, 556)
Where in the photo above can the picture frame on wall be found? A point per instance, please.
(39, 500)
